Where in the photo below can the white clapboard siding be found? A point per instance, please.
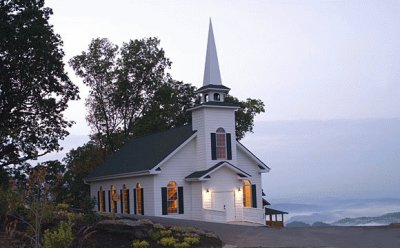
(206, 121)
(248, 165)
(176, 169)
(130, 183)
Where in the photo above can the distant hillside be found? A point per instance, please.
(320, 224)
(297, 224)
(302, 224)
(385, 219)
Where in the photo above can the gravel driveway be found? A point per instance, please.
(259, 236)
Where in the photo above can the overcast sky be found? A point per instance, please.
(307, 60)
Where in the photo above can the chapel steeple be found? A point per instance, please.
(213, 119)
(212, 74)
(212, 89)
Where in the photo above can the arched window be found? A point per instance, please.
(217, 97)
(113, 203)
(172, 197)
(205, 97)
(220, 143)
(139, 199)
(247, 194)
(101, 199)
(125, 199)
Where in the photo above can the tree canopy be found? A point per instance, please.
(34, 88)
(244, 117)
(130, 91)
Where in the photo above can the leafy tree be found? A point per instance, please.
(34, 88)
(97, 67)
(130, 91)
(245, 115)
(168, 109)
(79, 163)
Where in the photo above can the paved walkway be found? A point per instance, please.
(261, 236)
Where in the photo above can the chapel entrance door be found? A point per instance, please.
(224, 201)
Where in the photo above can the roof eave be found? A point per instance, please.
(201, 90)
(255, 158)
(121, 175)
(213, 106)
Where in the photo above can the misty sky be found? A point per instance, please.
(307, 60)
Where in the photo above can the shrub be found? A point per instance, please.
(182, 245)
(165, 233)
(168, 241)
(140, 244)
(154, 235)
(59, 238)
(145, 222)
(191, 240)
(62, 206)
(158, 226)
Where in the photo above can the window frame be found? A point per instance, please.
(247, 190)
(139, 199)
(172, 185)
(113, 203)
(220, 144)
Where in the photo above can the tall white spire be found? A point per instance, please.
(211, 71)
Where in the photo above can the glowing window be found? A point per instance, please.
(113, 203)
(172, 197)
(247, 194)
(139, 199)
(220, 143)
(125, 199)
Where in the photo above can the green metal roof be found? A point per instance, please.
(270, 211)
(212, 86)
(143, 153)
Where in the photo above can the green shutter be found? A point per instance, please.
(253, 196)
(141, 193)
(228, 146)
(213, 147)
(180, 200)
(104, 201)
(98, 201)
(109, 201)
(164, 200)
(121, 201)
(127, 200)
(134, 202)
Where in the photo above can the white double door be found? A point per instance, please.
(224, 201)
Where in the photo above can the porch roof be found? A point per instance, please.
(270, 211)
(205, 174)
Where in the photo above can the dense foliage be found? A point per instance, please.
(244, 117)
(130, 91)
(34, 88)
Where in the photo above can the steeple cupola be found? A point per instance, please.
(212, 89)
